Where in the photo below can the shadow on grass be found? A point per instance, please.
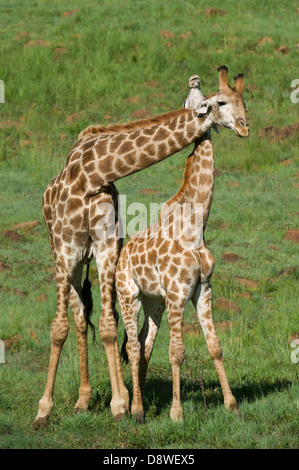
(160, 391)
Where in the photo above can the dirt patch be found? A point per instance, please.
(212, 11)
(288, 162)
(42, 298)
(245, 295)
(287, 131)
(60, 50)
(246, 282)
(151, 84)
(10, 342)
(224, 325)
(186, 35)
(218, 172)
(73, 117)
(140, 114)
(69, 13)
(149, 191)
(166, 34)
(231, 257)
(22, 35)
(132, 100)
(283, 50)
(12, 235)
(278, 135)
(265, 40)
(27, 226)
(292, 235)
(267, 131)
(191, 330)
(33, 336)
(226, 305)
(19, 293)
(38, 43)
(3, 266)
(9, 124)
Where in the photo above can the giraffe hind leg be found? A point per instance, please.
(153, 310)
(106, 256)
(78, 306)
(59, 332)
(202, 301)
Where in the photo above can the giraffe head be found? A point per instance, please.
(226, 107)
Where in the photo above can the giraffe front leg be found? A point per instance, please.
(202, 301)
(175, 311)
(59, 332)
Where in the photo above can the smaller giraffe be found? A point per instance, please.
(157, 272)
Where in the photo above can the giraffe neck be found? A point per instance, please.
(198, 183)
(122, 154)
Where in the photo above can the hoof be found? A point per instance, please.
(119, 417)
(176, 415)
(238, 414)
(139, 419)
(40, 423)
(233, 406)
(78, 410)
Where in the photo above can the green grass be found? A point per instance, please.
(113, 51)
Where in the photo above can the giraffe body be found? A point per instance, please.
(70, 210)
(157, 272)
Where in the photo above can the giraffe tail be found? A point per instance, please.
(87, 302)
(123, 352)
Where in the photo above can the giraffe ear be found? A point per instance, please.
(204, 109)
(239, 83)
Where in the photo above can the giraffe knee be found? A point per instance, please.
(108, 332)
(80, 324)
(215, 349)
(176, 353)
(133, 351)
(59, 332)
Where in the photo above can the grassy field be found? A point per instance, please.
(103, 64)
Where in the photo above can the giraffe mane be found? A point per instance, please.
(131, 126)
(186, 177)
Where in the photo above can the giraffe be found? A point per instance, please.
(70, 210)
(157, 271)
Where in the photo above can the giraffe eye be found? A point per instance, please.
(221, 103)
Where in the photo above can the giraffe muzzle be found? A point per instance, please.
(242, 128)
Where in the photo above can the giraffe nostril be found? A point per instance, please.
(243, 123)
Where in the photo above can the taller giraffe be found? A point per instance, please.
(70, 212)
(166, 265)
